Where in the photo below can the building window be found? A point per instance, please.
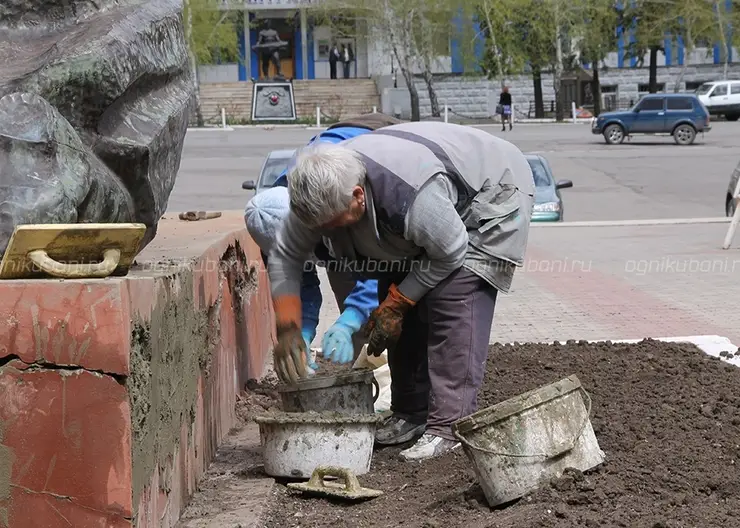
(645, 87)
(692, 86)
(608, 88)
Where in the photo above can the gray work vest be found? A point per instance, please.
(494, 184)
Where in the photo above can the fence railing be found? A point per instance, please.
(549, 107)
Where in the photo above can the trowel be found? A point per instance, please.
(350, 490)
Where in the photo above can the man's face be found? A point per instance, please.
(354, 212)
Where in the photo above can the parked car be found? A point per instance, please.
(682, 116)
(275, 163)
(548, 204)
(729, 201)
(721, 98)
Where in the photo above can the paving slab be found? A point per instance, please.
(615, 282)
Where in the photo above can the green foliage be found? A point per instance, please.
(598, 36)
(212, 32)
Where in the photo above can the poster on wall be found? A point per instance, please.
(323, 47)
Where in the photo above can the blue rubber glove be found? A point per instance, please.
(308, 337)
(337, 342)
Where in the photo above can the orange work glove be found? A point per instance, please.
(289, 354)
(383, 328)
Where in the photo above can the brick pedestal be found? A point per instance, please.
(116, 392)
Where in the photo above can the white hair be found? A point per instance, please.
(320, 183)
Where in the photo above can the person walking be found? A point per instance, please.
(504, 101)
(439, 214)
(333, 59)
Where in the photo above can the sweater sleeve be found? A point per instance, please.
(363, 298)
(433, 224)
(285, 264)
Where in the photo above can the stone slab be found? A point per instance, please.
(65, 455)
(273, 101)
(233, 492)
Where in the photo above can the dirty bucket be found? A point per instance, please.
(295, 444)
(520, 443)
(353, 393)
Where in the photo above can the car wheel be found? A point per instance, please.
(730, 207)
(732, 117)
(684, 135)
(614, 134)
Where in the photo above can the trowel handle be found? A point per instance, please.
(111, 258)
(320, 473)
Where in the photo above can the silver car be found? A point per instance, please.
(275, 163)
(729, 201)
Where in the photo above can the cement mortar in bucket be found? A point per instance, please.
(295, 444)
(353, 392)
(517, 445)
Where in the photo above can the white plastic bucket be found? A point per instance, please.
(295, 444)
(520, 443)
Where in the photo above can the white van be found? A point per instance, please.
(721, 98)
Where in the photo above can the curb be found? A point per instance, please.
(624, 223)
(313, 127)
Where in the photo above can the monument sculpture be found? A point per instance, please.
(268, 48)
(95, 99)
(272, 98)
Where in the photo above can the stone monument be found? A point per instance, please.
(272, 99)
(95, 100)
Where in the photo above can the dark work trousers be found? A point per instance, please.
(346, 69)
(342, 285)
(332, 69)
(438, 364)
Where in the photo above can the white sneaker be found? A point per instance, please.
(429, 446)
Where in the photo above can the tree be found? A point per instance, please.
(504, 53)
(409, 30)
(210, 32)
(430, 36)
(598, 38)
(695, 24)
(651, 21)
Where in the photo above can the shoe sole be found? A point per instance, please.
(402, 439)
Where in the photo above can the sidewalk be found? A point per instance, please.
(618, 282)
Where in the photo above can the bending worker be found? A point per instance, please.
(440, 214)
(356, 298)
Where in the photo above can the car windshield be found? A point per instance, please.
(272, 171)
(704, 89)
(541, 177)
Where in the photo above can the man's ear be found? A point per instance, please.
(358, 193)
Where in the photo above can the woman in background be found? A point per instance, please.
(505, 102)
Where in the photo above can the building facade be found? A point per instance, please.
(307, 55)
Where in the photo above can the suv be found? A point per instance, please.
(679, 115)
(721, 98)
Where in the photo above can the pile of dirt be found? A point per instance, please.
(666, 415)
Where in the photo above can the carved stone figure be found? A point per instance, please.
(268, 48)
(95, 99)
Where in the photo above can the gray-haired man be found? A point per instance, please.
(439, 214)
